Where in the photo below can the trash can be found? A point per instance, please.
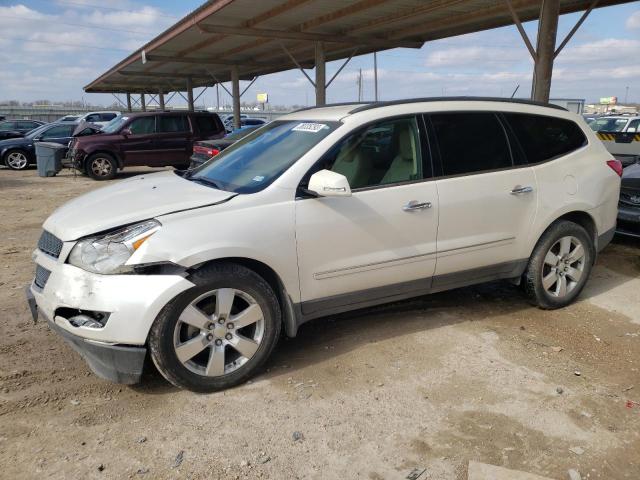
(49, 157)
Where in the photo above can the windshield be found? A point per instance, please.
(36, 131)
(114, 125)
(608, 124)
(254, 162)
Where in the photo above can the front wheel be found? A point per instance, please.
(16, 160)
(101, 166)
(559, 266)
(219, 333)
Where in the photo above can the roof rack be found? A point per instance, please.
(372, 105)
(339, 104)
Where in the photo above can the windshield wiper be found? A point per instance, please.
(205, 181)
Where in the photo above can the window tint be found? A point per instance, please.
(143, 125)
(208, 124)
(172, 123)
(470, 142)
(107, 117)
(61, 131)
(608, 124)
(543, 138)
(94, 117)
(5, 126)
(253, 121)
(382, 153)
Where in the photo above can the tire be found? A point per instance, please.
(194, 350)
(559, 266)
(17, 159)
(101, 166)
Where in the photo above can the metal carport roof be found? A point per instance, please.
(266, 36)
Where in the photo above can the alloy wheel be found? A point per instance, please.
(563, 266)
(101, 167)
(219, 332)
(17, 160)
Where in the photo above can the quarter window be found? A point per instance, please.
(143, 125)
(172, 123)
(470, 142)
(208, 124)
(107, 117)
(543, 138)
(383, 153)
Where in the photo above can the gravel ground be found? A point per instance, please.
(471, 374)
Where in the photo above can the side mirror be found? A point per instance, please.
(631, 130)
(126, 132)
(329, 184)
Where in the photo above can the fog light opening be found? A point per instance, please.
(83, 318)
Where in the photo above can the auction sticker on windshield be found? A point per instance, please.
(309, 127)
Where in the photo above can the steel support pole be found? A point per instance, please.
(161, 99)
(321, 80)
(235, 94)
(545, 50)
(128, 102)
(190, 94)
(143, 105)
(375, 75)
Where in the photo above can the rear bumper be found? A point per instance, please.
(116, 363)
(628, 221)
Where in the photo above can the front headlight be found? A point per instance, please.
(109, 253)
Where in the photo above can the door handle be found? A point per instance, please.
(518, 190)
(415, 205)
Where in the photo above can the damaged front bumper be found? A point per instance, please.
(117, 363)
(105, 318)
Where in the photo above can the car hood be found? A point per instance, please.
(14, 142)
(129, 201)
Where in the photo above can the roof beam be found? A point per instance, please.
(309, 37)
(164, 75)
(208, 61)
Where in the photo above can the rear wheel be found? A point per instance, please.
(559, 266)
(16, 160)
(101, 166)
(219, 333)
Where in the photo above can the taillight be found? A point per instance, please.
(209, 152)
(616, 166)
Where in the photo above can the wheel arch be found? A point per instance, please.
(289, 315)
(580, 217)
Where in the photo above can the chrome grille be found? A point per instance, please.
(42, 275)
(50, 244)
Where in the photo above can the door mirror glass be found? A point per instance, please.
(126, 132)
(329, 184)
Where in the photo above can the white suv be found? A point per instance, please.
(322, 211)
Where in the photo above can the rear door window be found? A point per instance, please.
(470, 142)
(94, 117)
(27, 125)
(172, 123)
(208, 124)
(7, 126)
(143, 125)
(544, 138)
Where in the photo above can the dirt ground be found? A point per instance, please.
(471, 374)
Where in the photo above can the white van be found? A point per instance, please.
(321, 211)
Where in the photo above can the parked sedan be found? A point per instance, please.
(19, 153)
(17, 128)
(629, 206)
(203, 151)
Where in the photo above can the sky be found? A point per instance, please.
(50, 49)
